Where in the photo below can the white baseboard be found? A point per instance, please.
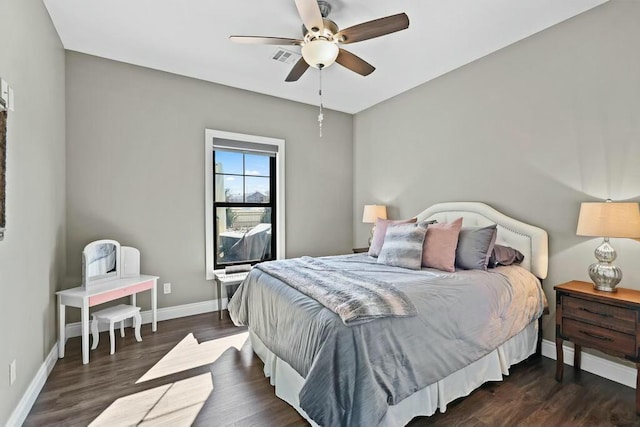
(29, 397)
(165, 313)
(596, 365)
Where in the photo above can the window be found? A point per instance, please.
(244, 199)
(243, 208)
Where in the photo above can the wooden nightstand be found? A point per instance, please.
(606, 321)
(360, 250)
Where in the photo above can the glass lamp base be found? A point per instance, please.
(604, 274)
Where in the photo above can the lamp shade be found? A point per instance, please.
(609, 219)
(320, 53)
(373, 212)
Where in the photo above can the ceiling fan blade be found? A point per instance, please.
(264, 40)
(310, 13)
(297, 71)
(376, 28)
(354, 63)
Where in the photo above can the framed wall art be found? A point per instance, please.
(3, 170)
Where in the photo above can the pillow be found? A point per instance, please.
(504, 255)
(474, 247)
(439, 250)
(379, 233)
(403, 246)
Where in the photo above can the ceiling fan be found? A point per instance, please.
(322, 39)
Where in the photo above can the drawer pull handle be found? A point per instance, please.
(600, 337)
(595, 312)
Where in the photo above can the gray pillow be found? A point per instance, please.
(403, 246)
(504, 255)
(474, 247)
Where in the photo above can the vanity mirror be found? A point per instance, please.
(100, 262)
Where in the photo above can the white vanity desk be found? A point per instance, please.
(100, 293)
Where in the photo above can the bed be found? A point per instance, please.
(468, 328)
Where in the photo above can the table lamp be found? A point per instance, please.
(607, 220)
(371, 214)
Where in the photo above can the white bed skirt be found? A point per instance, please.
(425, 402)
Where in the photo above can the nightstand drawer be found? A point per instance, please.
(605, 315)
(597, 337)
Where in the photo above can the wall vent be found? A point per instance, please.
(286, 56)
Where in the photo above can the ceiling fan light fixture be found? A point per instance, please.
(320, 53)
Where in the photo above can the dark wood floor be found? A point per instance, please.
(76, 394)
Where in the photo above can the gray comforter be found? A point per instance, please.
(352, 373)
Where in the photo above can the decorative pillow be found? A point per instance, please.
(474, 247)
(439, 250)
(403, 246)
(504, 255)
(379, 233)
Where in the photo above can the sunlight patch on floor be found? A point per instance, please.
(189, 354)
(176, 404)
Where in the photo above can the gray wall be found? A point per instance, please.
(32, 254)
(135, 168)
(533, 130)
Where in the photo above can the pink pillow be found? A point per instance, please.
(439, 250)
(380, 231)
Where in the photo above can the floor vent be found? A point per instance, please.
(286, 56)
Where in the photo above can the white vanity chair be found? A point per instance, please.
(112, 315)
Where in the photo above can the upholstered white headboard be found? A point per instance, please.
(532, 241)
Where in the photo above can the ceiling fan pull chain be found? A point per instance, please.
(320, 116)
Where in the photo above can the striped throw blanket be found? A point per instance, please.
(354, 298)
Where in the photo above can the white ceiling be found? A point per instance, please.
(190, 37)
